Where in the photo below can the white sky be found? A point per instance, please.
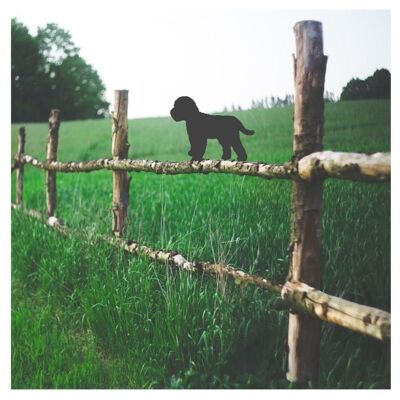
(218, 57)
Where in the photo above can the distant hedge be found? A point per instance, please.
(376, 86)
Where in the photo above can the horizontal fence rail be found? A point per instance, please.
(325, 164)
(356, 317)
(268, 171)
(296, 295)
(354, 166)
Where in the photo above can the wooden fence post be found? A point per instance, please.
(120, 147)
(52, 143)
(310, 65)
(20, 168)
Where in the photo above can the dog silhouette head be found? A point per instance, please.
(184, 109)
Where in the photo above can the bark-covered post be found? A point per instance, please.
(310, 65)
(20, 166)
(120, 147)
(51, 150)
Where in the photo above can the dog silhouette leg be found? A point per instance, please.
(199, 149)
(239, 149)
(226, 149)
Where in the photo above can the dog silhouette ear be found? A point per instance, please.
(184, 108)
(176, 115)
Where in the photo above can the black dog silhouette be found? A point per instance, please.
(201, 127)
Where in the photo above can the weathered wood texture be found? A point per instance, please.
(326, 164)
(120, 147)
(20, 167)
(52, 222)
(51, 150)
(175, 259)
(310, 66)
(267, 171)
(298, 296)
(308, 300)
(354, 166)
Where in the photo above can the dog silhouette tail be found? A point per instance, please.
(246, 131)
(243, 129)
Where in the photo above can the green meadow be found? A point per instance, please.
(86, 315)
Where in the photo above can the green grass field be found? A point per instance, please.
(85, 315)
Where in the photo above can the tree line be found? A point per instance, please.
(48, 72)
(276, 101)
(376, 86)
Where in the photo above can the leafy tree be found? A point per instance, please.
(379, 84)
(376, 86)
(48, 72)
(77, 89)
(24, 67)
(55, 44)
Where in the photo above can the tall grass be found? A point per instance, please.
(88, 316)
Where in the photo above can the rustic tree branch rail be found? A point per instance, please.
(300, 297)
(354, 166)
(372, 168)
(268, 171)
(363, 319)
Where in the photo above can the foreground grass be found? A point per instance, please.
(87, 316)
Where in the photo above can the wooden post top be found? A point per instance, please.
(54, 118)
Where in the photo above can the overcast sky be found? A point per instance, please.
(218, 57)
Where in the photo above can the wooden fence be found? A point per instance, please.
(308, 169)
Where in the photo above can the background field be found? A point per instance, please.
(85, 315)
